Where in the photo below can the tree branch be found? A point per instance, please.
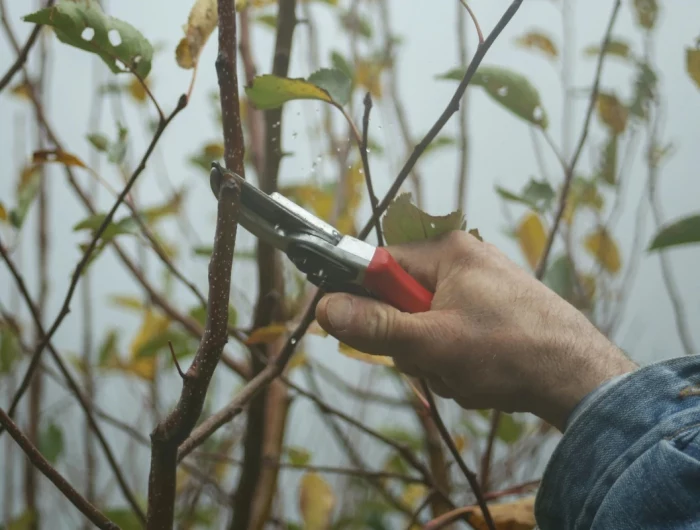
(365, 164)
(451, 108)
(175, 428)
(569, 174)
(92, 513)
(468, 473)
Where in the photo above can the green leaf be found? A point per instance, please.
(99, 141)
(405, 223)
(269, 21)
(536, 194)
(683, 231)
(271, 91)
(298, 456)
(439, 142)
(560, 277)
(108, 354)
(340, 63)
(117, 150)
(27, 191)
(24, 521)
(51, 443)
(607, 168)
(644, 90)
(83, 24)
(124, 518)
(356, 23)
(509, 430)
(455, 74)
(127, 225)
(615, 47)
(335, 82)
(9, 349)
(510, 89)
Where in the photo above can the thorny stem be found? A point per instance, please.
(451, 108)
(43, 465)
(468, 473)
(571, 168)
(365, 164)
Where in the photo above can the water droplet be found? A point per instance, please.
(292, 341)
(369, 150)
(503, 91)
(432, 225)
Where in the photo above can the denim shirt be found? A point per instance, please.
(630, 455)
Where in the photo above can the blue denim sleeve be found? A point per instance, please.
(630, 455)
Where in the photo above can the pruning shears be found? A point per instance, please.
(330, 260)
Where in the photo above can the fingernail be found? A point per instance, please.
(339, 312)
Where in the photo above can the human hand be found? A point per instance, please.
(495, 336)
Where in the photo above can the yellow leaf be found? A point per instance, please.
(153, 325)
(3, 212)
(127, 302)
(367, 75)
(582, 193)
(214, 150)
(55, 155)
(137, 90)
(538, 41)
(364, 357)
(22, 91)
(603, 248)
(414, 494)
(298, 359)
(692, 64)
(316, 502)
(266, 334)
(460, 442)
(517, 515)
(200, 24)
(612, 112)
(271, 91)
(532, 238)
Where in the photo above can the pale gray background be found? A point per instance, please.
(501, 153)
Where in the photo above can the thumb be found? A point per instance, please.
(368, 325)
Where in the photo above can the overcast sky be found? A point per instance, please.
(501, 151)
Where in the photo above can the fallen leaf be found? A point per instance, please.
(82, 24)
(267, 334)
(516, 515)
(692, 64)
(612, 113)
(604, 249)
(271, 91)
(538, 41)
(201, 22)
(55, 155)
(532, 238)
(406, 223)
(682, 231)
(351, 352)
(316, 502)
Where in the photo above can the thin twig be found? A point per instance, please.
(447, 438)
(65, 308)
(43, 465)
(365, 164)
(24, 51)
(175, 361)
(463, 138)
(73, 385)
(571, 167)
(488, 452)
(451, 108)
(476, 22)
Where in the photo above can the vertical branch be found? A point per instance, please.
(43, 465)
(463, 138)
(365, 164)
(175, 428)
(255, 486)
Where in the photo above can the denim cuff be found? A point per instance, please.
(608, 432)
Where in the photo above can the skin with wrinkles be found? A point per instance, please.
(495, 337)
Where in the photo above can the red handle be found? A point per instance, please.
(393, 285)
